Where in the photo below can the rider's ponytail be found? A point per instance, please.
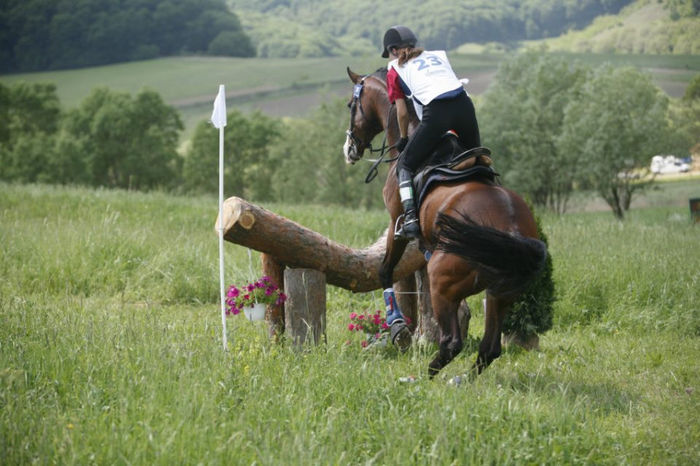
(408, 53)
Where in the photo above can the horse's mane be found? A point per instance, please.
(381, 74)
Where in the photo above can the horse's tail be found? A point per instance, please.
(506, 262)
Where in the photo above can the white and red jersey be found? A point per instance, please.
(425, 77)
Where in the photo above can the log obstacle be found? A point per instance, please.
(296, 246)
(302, 261)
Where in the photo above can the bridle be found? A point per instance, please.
(354, 104)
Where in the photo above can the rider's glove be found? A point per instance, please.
(401, 145)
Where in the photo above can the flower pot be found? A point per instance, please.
(257, 312)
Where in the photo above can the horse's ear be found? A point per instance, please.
(354, 77)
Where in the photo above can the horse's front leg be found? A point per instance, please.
(399, 330)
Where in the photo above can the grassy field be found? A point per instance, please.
(293, 87)
(110, 348)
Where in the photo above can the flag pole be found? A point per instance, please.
(218, 119)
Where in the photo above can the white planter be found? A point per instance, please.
(257, 312)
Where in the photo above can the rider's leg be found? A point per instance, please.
(410, 227)
(419, 148)
(465, 122)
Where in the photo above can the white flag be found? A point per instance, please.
(218, 116)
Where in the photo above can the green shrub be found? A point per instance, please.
(532, 313)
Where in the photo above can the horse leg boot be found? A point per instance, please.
(398, 328)
(410, 228)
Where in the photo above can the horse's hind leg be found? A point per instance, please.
(449, 283)
(490, 346)
(451, 343)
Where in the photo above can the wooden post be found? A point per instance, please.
(275, 314)
(305, 309)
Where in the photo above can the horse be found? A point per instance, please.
(477, 234)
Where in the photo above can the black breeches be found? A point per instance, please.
(440, 116)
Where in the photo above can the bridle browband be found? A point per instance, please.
(354, 104)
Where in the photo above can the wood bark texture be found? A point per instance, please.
(295, 246)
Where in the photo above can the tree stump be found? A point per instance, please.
(305, 309)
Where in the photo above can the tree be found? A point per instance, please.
(520, 119)
(29, 119)
(248, 170)
(311, 163)
(123, 141)
(616, 126)
(41, 34)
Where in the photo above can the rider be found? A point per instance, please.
(441, 104)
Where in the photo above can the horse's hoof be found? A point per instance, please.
(400, 335)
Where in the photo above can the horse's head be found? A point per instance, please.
(366, 121)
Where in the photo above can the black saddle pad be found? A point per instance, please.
(432, 176)
(448, 155)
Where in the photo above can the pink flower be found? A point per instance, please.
(353, 315)
(351, 327)
(364, 343)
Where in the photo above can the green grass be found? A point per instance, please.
(110, 348)
(289, 87)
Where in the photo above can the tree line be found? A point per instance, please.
(554, 127)
(307, 28)
(39, 35)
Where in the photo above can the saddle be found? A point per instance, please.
(451, 163)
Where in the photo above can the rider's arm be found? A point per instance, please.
(402, 117)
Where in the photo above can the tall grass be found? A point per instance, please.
(110, 349)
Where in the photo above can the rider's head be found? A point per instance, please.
(398, 37)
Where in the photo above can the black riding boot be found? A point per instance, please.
(410, 228)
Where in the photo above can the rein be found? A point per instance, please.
(354, 105)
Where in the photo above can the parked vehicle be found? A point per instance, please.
(662, 164)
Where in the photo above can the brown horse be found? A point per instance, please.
(481, 235)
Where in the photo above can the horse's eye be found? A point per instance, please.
(349, 104)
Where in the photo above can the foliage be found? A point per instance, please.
(122, 141)
(309, 166)
(618, 123)
(533, 312)
(521, 117)
(40, 35)
(313, 28)
(692, 91)
(644, 26)
(248, 172)
(111, 348)
(29, 118)
(557, 126)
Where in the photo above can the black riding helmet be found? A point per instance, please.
(398, 36)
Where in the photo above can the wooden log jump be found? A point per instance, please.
(285, 244)
(296, 246)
